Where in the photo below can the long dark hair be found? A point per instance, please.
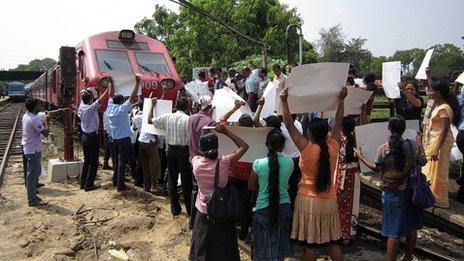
(348, 125)
(275, 141)
(397, 125)
(450, 99)
(318, 130)
(209, 145)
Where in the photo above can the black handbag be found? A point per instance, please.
(223, 204)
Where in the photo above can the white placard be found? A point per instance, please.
(315, 87)
(224, 101)
(354, 100)
(162, 107)
(391, 76)
(370, 136)
(455, 152)
(359, 82)
(124, 82)
(196, 89)
(421, 75)
(254, 137)
(460, 79)
(270, 96)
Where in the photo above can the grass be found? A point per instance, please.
(384, 113)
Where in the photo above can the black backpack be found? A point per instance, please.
(223, 204)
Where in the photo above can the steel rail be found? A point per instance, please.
(9, 145)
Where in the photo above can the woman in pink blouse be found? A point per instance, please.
(213, 241)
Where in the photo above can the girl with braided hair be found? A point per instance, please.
(400, 217)
(270, 239)
(315, 217)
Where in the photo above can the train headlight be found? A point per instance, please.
(167, 84)
(105, 81)
(126, 35)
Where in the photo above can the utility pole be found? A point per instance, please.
(234, 31)
(298, 26)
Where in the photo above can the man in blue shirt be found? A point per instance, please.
(119, 124)
(88, 115)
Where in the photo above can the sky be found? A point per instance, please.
(33, 29)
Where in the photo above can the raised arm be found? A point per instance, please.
(242, 146)
(150, 111)
(337, 129)
(133, 97)
(257, 114)
(237, 106)
(411, 98)
(106, 94)
(300, 141)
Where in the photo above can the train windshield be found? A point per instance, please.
(152, 62)
(112, 60)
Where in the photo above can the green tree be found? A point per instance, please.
(376, 64)
(36, 65)
(445, 59)
(334, 48)
(197, 41)
(331, 44)
(410, 60)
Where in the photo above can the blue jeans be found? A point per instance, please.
(33, 169)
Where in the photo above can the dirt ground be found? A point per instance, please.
(139, 223)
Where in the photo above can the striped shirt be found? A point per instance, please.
(176, 126)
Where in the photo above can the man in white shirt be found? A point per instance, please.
(88, 115)
(177, 140)
(32, 131)
(280, 81)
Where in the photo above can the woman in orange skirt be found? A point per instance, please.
(315, 218)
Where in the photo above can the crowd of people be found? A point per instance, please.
(305, 191)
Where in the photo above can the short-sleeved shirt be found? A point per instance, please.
(32, 127)
(204, 170)
(392, 177)
(196, 123)
(88, 115)
(119, 123)
(262, 170)
(252, 82)
(309, 165)
(407, 110)
(176, 126)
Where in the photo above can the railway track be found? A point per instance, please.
(371, 198)
(10, 119)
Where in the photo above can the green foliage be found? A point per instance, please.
(334, 48)
(445, 59)
(410, 60)
(254, 61)
(36, 65)
(197, 41)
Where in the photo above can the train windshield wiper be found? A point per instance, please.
(108, 65)
(145, 68)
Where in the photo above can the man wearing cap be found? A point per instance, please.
(196, 123)
(119, 124)
(88, 115)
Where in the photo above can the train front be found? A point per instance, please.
(128, 51)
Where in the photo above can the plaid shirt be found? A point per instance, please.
(175, 125)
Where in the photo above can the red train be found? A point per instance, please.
(85, 65)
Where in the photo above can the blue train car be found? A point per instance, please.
(15, 90)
